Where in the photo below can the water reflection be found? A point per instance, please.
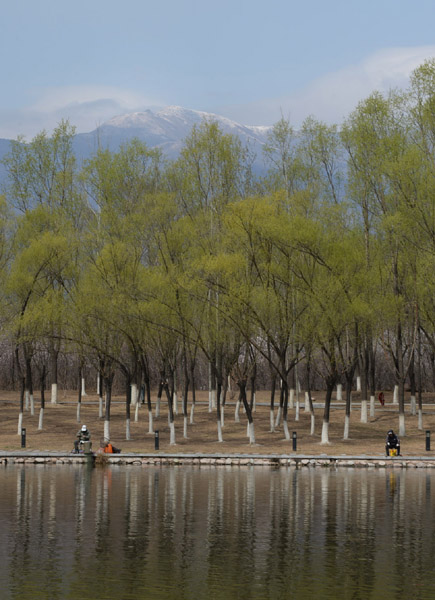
(215, 533)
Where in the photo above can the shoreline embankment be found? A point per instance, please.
(217, 460)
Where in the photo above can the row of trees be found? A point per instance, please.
(132, 263)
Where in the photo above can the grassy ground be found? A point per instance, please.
(60, 428)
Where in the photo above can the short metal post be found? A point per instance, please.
(23, 438)
(427, 440)
(156, 440)
(295, 440)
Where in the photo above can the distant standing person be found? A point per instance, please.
(381, 398)
(392, 442)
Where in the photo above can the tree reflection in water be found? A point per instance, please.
(171, 532)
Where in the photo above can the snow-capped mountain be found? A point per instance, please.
(166, 129)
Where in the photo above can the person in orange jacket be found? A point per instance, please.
(109, 448)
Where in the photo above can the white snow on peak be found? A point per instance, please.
(136, 119)
(174, 124)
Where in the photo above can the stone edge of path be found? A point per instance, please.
(266, 460)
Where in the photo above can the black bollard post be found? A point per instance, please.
(428, 440)
(156, 440)
(23, 438)
(295, 438)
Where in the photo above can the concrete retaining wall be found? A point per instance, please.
(296, 461)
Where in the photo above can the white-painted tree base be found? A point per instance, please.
(32, 405)
(172, 434)
(272, 421)
(237, 412)
(136, 413)
(358, 384)
(286, 431)
(297, 410)
(254, 404)
(134, 394)
(78, 412)
(54, 393)
(20, 422)
(41, 419)
(26, 400)
(100, 407)
(150, 422)
(413, 406)
(157, 408)
(278, 417)
(346, 427)
(192, 411)
(396, 395)
(223, 415)
(313, 424)
(339, 392)
(175, 403)
(127, 429)
(364, 416)
(107, 430)
(307, 402)
(251, 433)
(291, 401)
(83, 387)
(325, 433)
(402, 429)
(185, 427)
(372, 406)
(219, 429)
(420, 419)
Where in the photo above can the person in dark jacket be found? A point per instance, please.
(391, 442)
(83, 435)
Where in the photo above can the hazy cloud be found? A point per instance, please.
(330, 98)
(333, 96)
(86, 107)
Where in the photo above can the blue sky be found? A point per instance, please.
(250, 60)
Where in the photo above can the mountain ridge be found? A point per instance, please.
(166, 128)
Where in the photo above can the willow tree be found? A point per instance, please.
(213, 169)
(42, 173)
(417, 190)
(262, 285)
(42, 274)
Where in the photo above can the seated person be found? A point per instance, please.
(83, 435)
(392, 442)
(108, 448)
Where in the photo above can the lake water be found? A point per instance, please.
(219, 533)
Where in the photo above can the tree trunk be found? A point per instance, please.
(79, 399)
(419, 381)
(127, 406)
(330, 383)
(20, 414)
(192, 378)
(170, 414)
(413, 385)
(347, 412)
(54, 374)
(218, 410)
(41, 410)
(251, 433)
(108, 386)
(272, 404)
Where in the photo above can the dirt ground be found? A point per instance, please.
(61, 426)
